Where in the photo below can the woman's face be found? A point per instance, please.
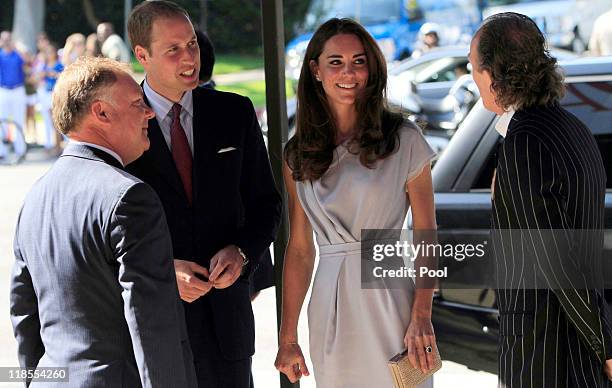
(79, 47)
(51, 53)
(342, 69)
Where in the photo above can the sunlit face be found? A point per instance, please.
(342, 69)
(103, 31)
(50, 54)
(431, 39)
(173, 62)
(79, 47)
(128, 119)
(483, 80)
(6, 40)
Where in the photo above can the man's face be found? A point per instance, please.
(431, 39)
(483, 80)
(173, 62)
(6, 40)
(128, 117)
(42, 42)
(103, 31)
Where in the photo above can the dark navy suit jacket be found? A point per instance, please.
(235, 201)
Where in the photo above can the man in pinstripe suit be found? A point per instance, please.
(549, 183)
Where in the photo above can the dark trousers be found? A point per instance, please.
(224, 373)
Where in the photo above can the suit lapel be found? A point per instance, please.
(203, 141)
(160, 157)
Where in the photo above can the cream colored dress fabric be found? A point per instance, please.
(353, 332)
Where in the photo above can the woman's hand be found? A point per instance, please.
(419, 336)
(290, 361)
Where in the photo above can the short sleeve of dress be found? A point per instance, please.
(415, 151)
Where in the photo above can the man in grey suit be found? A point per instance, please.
(548, 196)
(93, 285)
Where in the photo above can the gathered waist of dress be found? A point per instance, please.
(337, 250)
(348, 248)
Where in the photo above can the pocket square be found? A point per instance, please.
(228, 149)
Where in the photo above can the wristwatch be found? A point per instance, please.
(245, 259)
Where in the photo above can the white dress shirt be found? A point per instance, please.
(504, 121)
(163, 112)
(101, 148)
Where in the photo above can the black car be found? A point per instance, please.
(466, 320)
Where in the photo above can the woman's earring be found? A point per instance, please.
(317, 78)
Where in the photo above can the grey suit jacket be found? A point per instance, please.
(93, 285)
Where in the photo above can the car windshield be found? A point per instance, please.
(365, 11)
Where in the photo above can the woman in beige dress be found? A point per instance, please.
(352, 165)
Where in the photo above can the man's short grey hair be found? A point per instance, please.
(78, 86)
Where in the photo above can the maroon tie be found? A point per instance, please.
(181, 152)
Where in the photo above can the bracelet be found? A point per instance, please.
(289, 343)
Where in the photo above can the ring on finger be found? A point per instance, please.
(428, 349)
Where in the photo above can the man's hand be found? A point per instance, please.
(608, 368)
(225, 267)
(189, 285)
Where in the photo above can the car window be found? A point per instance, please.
(440, 70)
(436, 70)
(591, 102)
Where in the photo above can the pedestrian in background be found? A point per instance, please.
(73, 49)
(429, 39)
(49, 73)
(13, 103)
(111, 44)
(92, 46)
(601, 37)
(207, 60)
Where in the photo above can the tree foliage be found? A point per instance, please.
(233, 25)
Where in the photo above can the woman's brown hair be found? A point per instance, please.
(310, 152)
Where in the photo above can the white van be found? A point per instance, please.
(566, 23)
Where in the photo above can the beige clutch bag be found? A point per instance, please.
(404, 375)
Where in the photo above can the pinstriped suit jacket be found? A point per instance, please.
(550, 175)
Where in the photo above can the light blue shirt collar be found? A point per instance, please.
(162, 106)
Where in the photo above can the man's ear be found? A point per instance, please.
(141, 54)
(100, 111)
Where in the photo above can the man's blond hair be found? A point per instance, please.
(78, 86)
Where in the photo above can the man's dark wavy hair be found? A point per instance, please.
(513, 50)
(310, 151)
